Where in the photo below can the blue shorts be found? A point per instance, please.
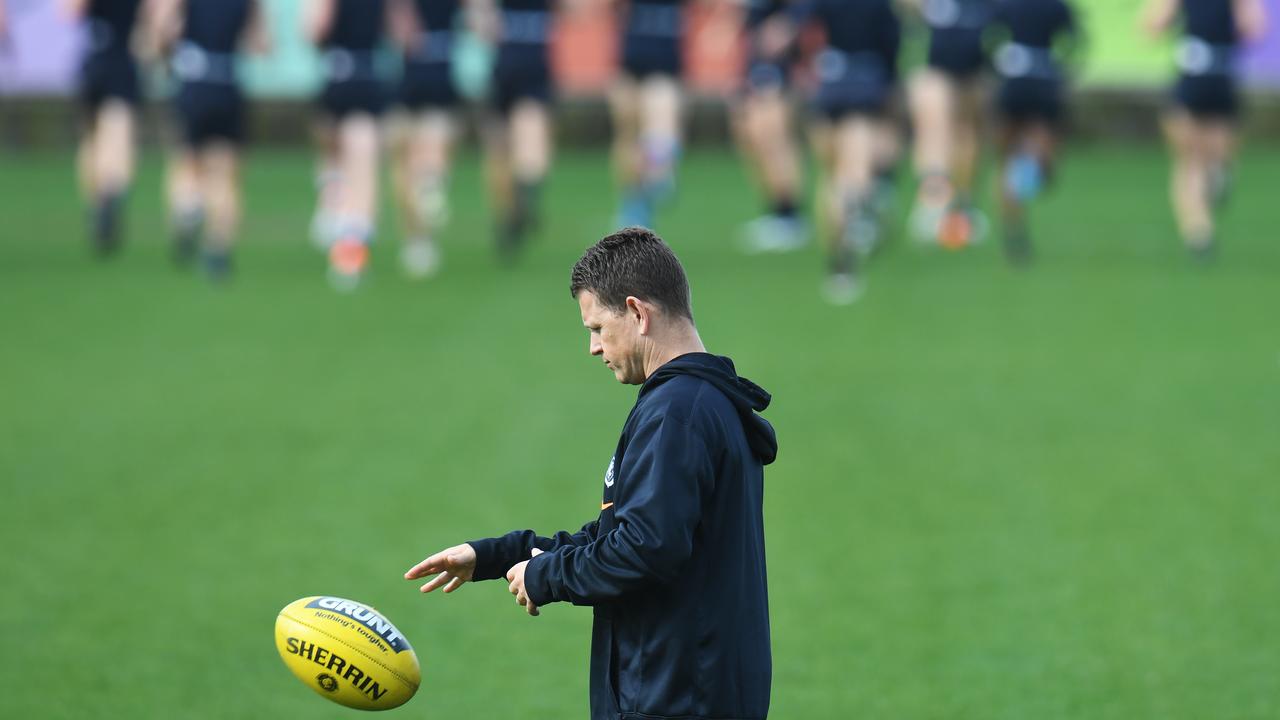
(764, 74)
(522, 72)
(1207, 96)
(349, 97)
(428, 85)
(109, 75)
(857, 84)
(210, 112)
(957, 53)
(645, 56)
(1030, 99)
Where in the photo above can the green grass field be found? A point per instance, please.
(1039, 494)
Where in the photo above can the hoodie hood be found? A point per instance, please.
(745, 395)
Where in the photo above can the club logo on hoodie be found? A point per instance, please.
(608, 474)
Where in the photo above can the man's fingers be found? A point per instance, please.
(533, 609)
(430, 566)
(454, 584)
(437, 581)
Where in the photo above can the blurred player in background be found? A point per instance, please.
(204, 175)
(518, 141)
(422, 142)
(764, 125)
(1200, 126)
(110, 94)
(857, 74)
(1038, 35)
(348, 32)
(947, 101)
(645, 102)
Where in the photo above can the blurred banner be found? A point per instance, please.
(39, 55)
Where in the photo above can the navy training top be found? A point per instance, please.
(856, 26)
(111, 24)
(437, 14)
(357, 25)
(674, 566)
(1034, 23)
(1213, 21)
(216, 25)
(528, 5)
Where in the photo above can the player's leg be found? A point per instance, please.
(849, 199)
(1220, 147)
(625, 153)
(767, 139)
(660, 135)
(220, 186)
(358, 162)
(426, 176)
(529, 144)
(963, 223)
(328, 182)
(186, 205)
(1189, 180)
(933, 114)
(886, 155)
(111, 167)
(1017, 245)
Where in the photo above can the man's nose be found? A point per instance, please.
(595, 347)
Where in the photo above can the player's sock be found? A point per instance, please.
(861, 231)
(785, 208)
(187, 222)
(106, 223)
(1024, 176)
(432, 201)
(528, 205)
(349, 255)
(1017, 245)
(636, 209)
(660, 153)
(216, 264)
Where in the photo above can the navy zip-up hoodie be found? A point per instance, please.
(675, 564)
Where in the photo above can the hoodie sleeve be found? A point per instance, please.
(495, 556)
(657, 508)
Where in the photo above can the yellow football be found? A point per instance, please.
(347, 652)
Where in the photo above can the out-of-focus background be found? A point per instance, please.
(1046, 492)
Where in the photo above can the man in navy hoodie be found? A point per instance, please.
(674, 566)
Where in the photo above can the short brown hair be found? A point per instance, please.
(633, 261)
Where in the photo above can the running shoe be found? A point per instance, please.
(348, 260)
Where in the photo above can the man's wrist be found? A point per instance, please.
(535, 580)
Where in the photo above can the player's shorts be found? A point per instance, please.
(1207, 96)
(852, 84)
(427, 81)
(210, 112)
(353, 85)
(522, 72)
(1030, 100)
(957, 53)
(1206, 86)
(644, 57)
(427, 86)
(651, 40)
(766, 75)
(110, 74)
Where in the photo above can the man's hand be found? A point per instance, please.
(516, 577)
(454, 566)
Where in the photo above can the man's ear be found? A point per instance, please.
(639, 311)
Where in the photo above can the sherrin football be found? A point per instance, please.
(347, 652)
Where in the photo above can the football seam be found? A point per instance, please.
(344, 643)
